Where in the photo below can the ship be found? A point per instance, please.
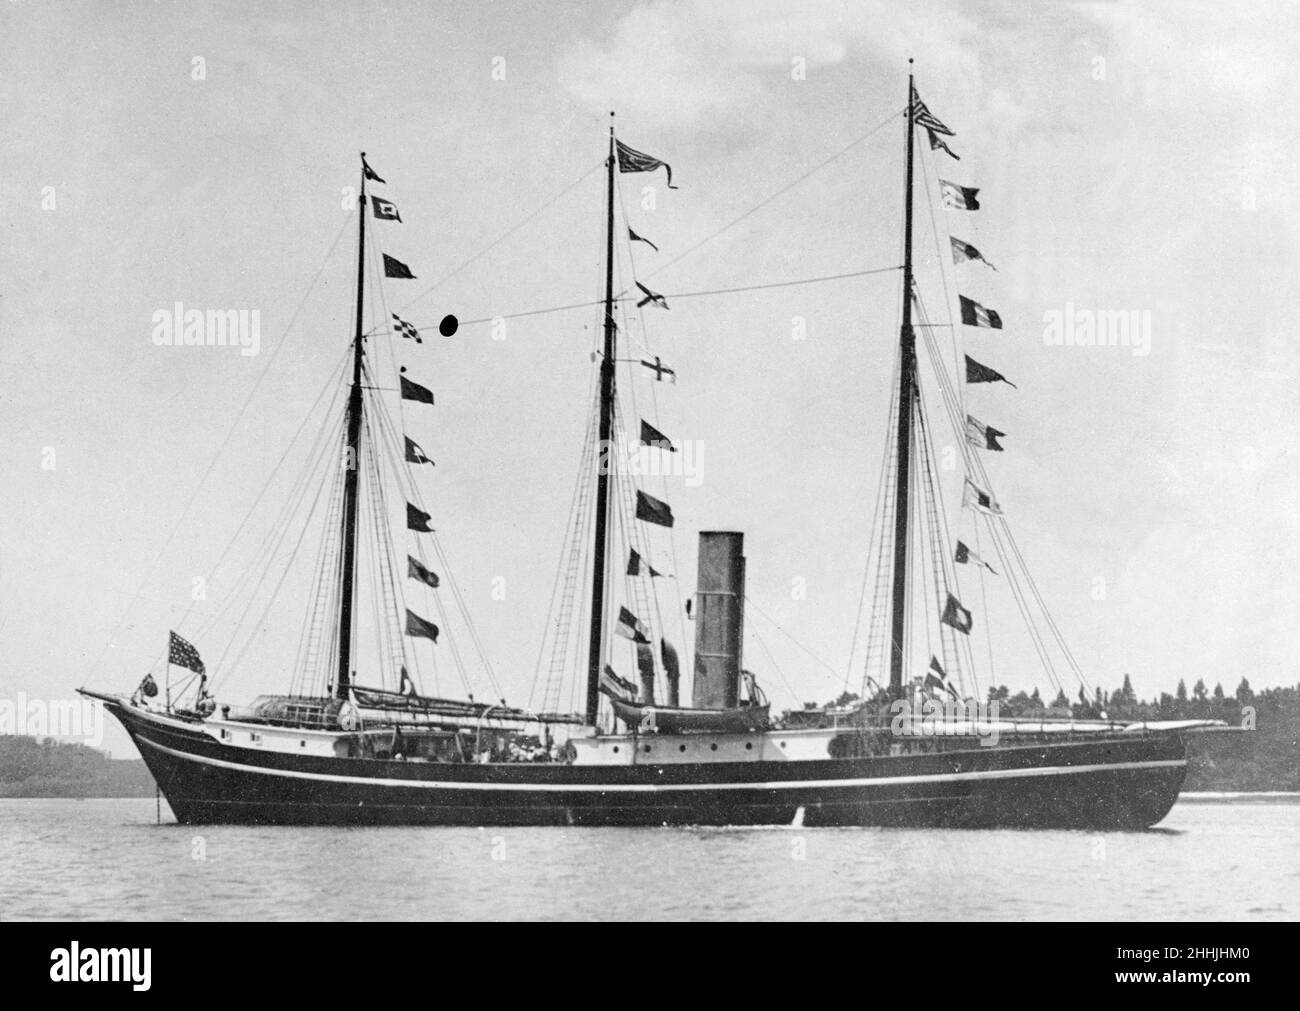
(916, 748)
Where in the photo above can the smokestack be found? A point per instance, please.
(719, 620)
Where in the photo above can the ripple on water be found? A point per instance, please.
(107, 858)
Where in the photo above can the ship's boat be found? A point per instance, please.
(678, 720)
(917, 745)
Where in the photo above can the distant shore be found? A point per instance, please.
(45, 768)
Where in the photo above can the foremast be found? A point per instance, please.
(347, 572)
(604, 458)
(903, 449)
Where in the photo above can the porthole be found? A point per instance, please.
(647, 749)
(681, 747)
(713, 747)
(783, 744)
(616, 749)
(749, 745)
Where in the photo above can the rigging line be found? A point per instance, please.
(775, 666)
(275, 593)
(784, 189)
(504, 235)
(945, 384)
(1035, 636)
(393, 446)
(265, 550)
(941, 544)
(313, 625)
(637, 590)
(623, 297)
(384, 588)
(877, 527)
(551, 685)
(317, 470)
(749, 600)
(923, 545)
(945, 261)
(390, 448)
(307, 656)
(391, 583)
(329, 383)
(778, 284)
(180, 518)
(387, 445)
(677, 584)
(565, 547)
(264, 558)
(650, 592)
(975, 465)
(1042, 603)
(988, 625)
(878, 630)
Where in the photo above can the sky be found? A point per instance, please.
(1129, 158)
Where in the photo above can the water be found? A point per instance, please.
(1233, 859)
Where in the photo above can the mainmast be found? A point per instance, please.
(604, 456)
(906, 397)
(352, 463)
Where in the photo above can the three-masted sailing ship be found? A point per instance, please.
(341, 748)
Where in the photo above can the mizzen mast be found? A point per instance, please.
(906, 397)
(347, 574)
(604, 459)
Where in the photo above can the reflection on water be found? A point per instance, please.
(94, 859)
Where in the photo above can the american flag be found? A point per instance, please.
(924, 117)
(405, 329)
(183, 654)
(631, 160)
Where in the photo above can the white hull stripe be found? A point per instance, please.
(794, 784)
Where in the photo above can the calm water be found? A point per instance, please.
(63, 859)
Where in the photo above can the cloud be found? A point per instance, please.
(681, 62)
(661, 67)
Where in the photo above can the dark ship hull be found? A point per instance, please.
(1123, 781)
